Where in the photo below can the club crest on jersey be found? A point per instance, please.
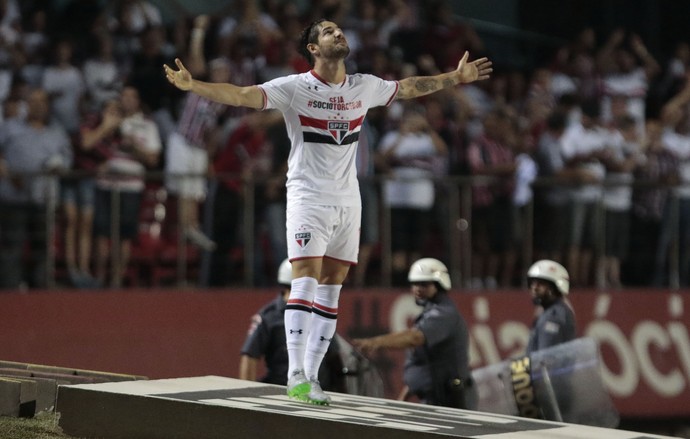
(338, 129)
(302, 238)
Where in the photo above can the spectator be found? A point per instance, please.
(144, 74)
(197, 134)
(583, 147)
(655, 173)
(102, 74)
(245, 159)
(438, 112)
(135, 146)
(29, 149)
(35, 48)
(65, 84)
(254, 31)
(413, 155)
(540, 100)
(625, 154)
(491, 155)
(135, 16)
(676, 138)
(10, 24)
(677, 67)
(14, 106)
(93, 147)
(626, 72)
(102, 80)
(552, 198)
(575, 68)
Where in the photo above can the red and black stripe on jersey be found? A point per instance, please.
(324, 138)
(332, 130)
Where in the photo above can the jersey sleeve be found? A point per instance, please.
(382, 92)
(278, 93)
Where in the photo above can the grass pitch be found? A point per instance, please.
(43, 426)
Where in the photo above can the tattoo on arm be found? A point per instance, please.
(426, 85)
(420, 85)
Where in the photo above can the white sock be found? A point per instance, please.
(298, 320)
(324, 318)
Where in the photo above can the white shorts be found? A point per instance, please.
(183, 158)
(316, 231)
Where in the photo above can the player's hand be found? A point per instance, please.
(181, 78)
(476, 70)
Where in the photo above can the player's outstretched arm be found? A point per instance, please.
(228, 94)
(466, 72)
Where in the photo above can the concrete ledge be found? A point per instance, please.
(60, 378)
(17, 397)
(46, 392)
(31, 388)
(98, 375)
(213, 407)
(102, 376)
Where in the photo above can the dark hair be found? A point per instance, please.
(591, 108)
(309, 35)
(557, 120)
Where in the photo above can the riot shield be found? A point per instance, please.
(562, 383)
(361, 375)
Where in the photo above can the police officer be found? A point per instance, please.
(266, 338)
(437, 365)
(549, 284)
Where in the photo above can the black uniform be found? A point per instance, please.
(554, 326)
(438, 371)
(266, 338)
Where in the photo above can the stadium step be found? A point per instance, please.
(17, 397)
(27, 389)
(213, 407)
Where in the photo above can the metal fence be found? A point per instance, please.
(450, 239)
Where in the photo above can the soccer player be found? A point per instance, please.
(323, 111)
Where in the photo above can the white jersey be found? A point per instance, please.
(634, 86)
(323, 122)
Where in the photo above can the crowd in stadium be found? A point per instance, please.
(588, 153)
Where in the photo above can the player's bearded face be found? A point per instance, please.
(338, 49)
(332, 42)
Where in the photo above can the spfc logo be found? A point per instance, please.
(303, 238)
(338, 129)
